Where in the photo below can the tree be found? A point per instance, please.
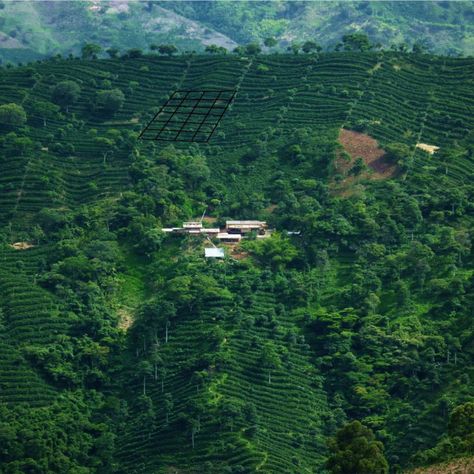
(169, 404)
(397, 151)
(150, 242)
(240, 50)
(167, 49)
(294, 48)
(276, 251)
(421, 46)
(196, 171)
(134, 53)
(110, 101)
(44, 110)
(269, 359)
(356, 42)
(253, 49)
(309, 46)
(106, 145)
(113, 53)
(270, 42)
(90, 51)
(144, 370)
(165, 311)
(461, 421)
(355, 451)
(358, 166)
(66, 93)
(214, 49)
(12, 115)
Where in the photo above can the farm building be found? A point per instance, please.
(241, 227)
(213, 252)
(233, 231)
(226, 237)
(191, 229)
(192, 225)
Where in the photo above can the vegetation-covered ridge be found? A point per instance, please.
(122, 350)
(30, 29)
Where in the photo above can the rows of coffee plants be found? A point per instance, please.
(234, 385)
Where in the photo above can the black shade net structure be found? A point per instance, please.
(189, 116)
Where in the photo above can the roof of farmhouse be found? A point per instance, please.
(225, 235)
(245, 223)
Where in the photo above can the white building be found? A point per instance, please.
(213, 252)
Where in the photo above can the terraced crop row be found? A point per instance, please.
(289, 408)
(401, 98)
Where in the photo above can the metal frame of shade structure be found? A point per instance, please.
(189, 116)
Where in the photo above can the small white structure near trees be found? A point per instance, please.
(214, 252)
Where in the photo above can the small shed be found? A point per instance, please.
(213, 252)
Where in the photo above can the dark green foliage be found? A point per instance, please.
(12, 115)
(270, 42)
(214, 49)
(356, 42)
(66, 93)
(113, 52)
(109, 101)
(253, 49)
(43, 111)
(355, 451)
(461, 422)
(309, 46)
(167, 49)
(134, 53)
(125, 349)
(90, 51)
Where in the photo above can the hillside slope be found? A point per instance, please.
(32, 29)
(252, 363)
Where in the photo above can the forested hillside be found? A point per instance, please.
(34, 29)
(123, 349)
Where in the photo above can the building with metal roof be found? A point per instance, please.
(214, 252)
(226, 237)
(245, 226)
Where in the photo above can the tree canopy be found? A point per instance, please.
(12, 115)
(354, 450)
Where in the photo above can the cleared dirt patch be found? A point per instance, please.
(360, 145)
(239, 254)
(457, 466)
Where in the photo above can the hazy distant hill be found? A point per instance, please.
(30, 29)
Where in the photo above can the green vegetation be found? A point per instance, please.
(12, 115)
(31, 30)
(348, 331)
(355, 450)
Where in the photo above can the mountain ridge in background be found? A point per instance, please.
(30, 30)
